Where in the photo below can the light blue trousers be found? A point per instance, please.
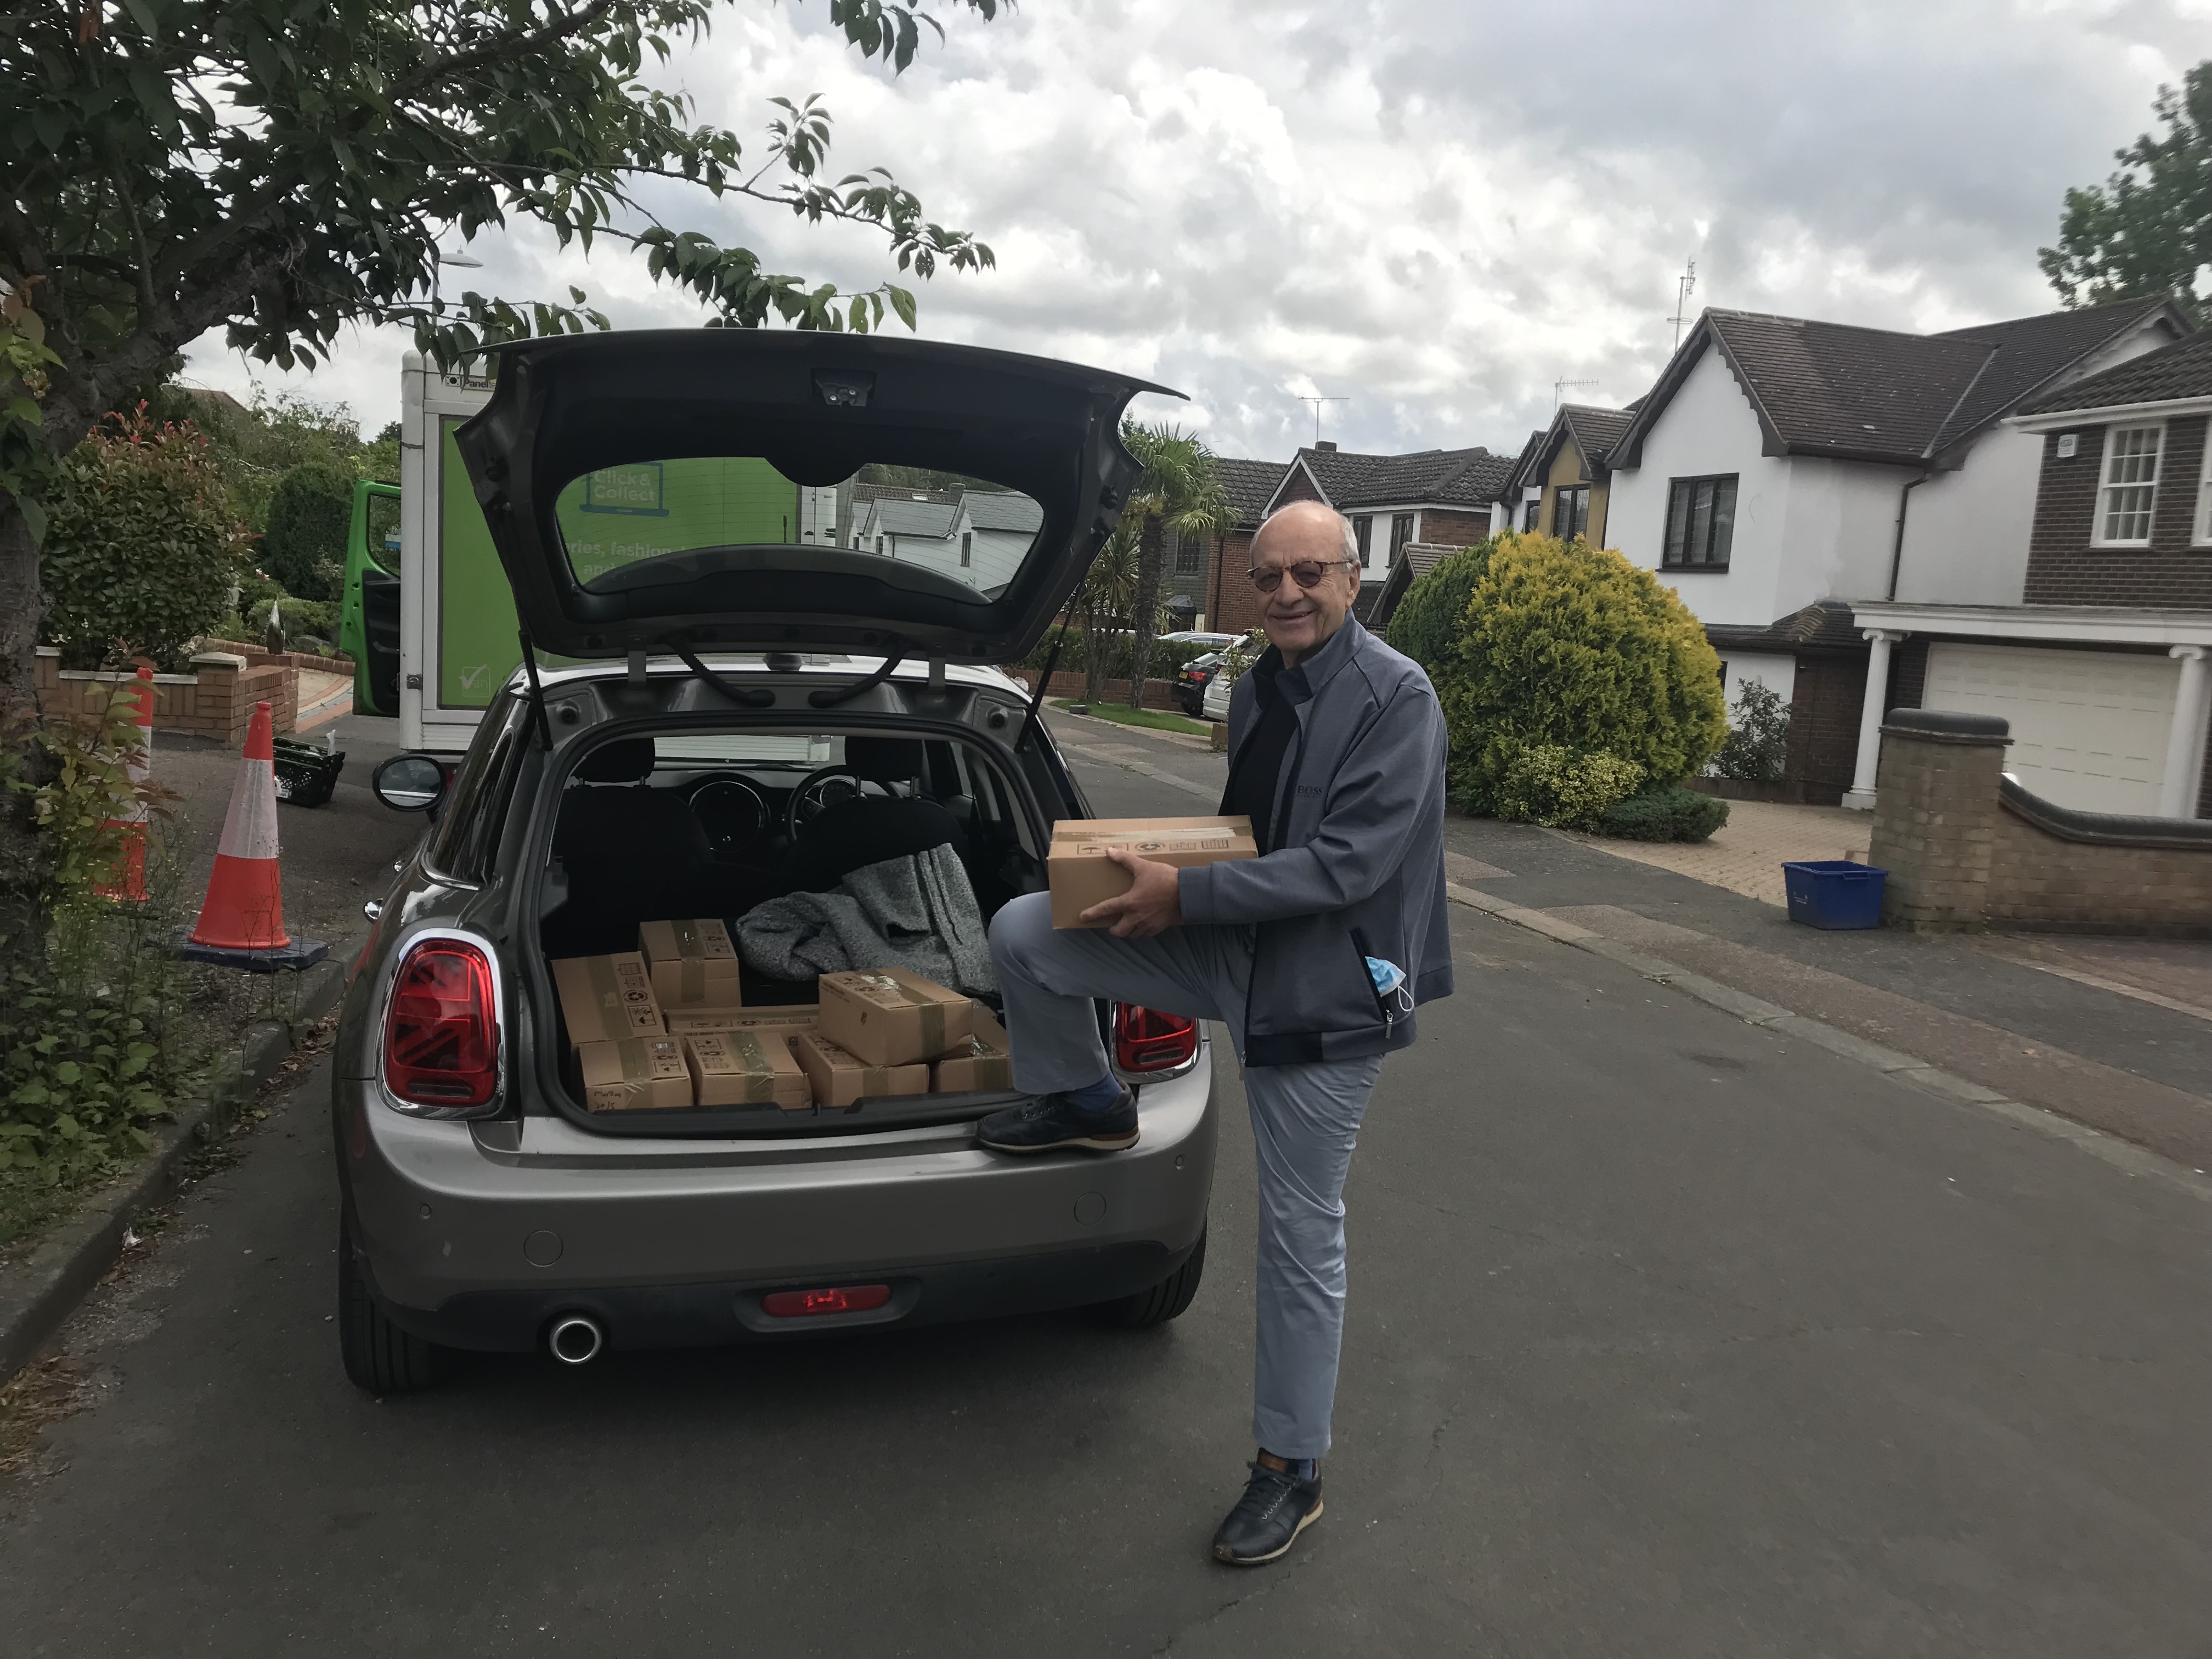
(1305, 1121)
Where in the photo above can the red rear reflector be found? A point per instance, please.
(843, 1298)
(440, 1042)
(1146, 1040)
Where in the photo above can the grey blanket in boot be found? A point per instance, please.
(917, 912)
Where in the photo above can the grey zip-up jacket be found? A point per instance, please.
(1359, 865)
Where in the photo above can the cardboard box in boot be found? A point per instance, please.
(604, 999)
(633, 1074)
(982, 1062)
(839, 1077)
(1080, 874)
(745, 1069)
(889, 1017)
(693, 963)
(789, 1018)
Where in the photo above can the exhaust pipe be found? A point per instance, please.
(577, 1340)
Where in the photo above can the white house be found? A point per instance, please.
(1783, 471)
(976, 536)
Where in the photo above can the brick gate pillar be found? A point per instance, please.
(1934, 816)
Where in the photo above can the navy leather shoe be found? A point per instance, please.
(1276, 1507)
(1050, 1122)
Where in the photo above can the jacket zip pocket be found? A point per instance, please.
(1359, 941)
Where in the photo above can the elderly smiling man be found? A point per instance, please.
(1313, 955)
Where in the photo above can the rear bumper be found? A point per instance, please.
(475, 1236)
(714, 1314)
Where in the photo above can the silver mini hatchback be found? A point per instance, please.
(778, 572)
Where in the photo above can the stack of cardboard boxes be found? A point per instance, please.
(664, 1027)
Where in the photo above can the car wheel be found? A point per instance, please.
(1163, 1302)
(379, 1355)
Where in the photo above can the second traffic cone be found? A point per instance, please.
(127, 881)
(245, 906)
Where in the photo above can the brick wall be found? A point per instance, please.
(1960, 858)
(214, 701)
(1443, 526)
(1235, 604)
(1298, 487)
(1158, 693)
(2064, 568)
(1824, 725)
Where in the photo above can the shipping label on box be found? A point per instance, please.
(1080, 874)
(606, 997)
(794, 1017)
(633, 1074)
(692, 962)
(889, 1017)
(838, 1077)
(746, 1068)
(982, 1062)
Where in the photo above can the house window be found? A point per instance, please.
(1700, 523)
(967, 547)
(1401, 531)
(879, 547)
(2130, 486)
(1362, 535)
(1191, 554)
(1571, 511)
(1528, 510)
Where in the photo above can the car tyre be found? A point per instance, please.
(380, 1356)
(1162, 1302)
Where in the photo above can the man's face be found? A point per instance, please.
(1299, 620)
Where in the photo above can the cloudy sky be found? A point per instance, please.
(1435, 212)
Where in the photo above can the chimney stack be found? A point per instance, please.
(1329, 444)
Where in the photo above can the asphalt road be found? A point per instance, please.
(1667, 1336)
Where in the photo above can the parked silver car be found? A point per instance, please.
(742, 713)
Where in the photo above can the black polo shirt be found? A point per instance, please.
(1258, 767)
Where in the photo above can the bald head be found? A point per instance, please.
(1304, 539)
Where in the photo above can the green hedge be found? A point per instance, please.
(1673, 813)
(1426, 623)
(309, 517)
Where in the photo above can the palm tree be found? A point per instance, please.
(1106, 599)
(1178, 490)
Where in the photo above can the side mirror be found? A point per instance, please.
(409, 783)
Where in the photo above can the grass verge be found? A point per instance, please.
(1152, 719)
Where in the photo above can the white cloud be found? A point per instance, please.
(1436, 211)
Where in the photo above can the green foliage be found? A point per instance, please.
(91, 1026)
(285, 169)
(1758, 747)
(140, 547)
(1568, 645)
(1546, 784)
(1179, 490)
(1426, 623)
(1671, 813)
(1237, 659)
(26, 462)
(2148, 229)
(304, 547)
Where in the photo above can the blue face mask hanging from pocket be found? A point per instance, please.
(1390, 987)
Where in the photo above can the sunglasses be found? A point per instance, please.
(1307, 574)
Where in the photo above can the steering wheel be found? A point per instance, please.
(826, 788)
(732, 812)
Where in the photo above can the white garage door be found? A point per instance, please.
(2089, 728)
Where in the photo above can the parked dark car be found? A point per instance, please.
(740, 716)
(1191, 681)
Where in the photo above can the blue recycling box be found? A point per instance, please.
(1834, 893)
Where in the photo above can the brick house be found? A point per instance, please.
(1790, 476)
(2099, 662)
(1234, 607)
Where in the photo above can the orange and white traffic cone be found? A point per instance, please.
(241, 921)
(127, 882)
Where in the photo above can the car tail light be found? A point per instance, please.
(843, 1299)
(441, 1033)
(1146, 1040)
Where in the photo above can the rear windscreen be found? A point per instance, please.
(971, 530)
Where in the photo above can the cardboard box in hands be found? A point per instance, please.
(1080, 875)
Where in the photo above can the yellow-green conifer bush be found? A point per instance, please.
(1563, 644)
